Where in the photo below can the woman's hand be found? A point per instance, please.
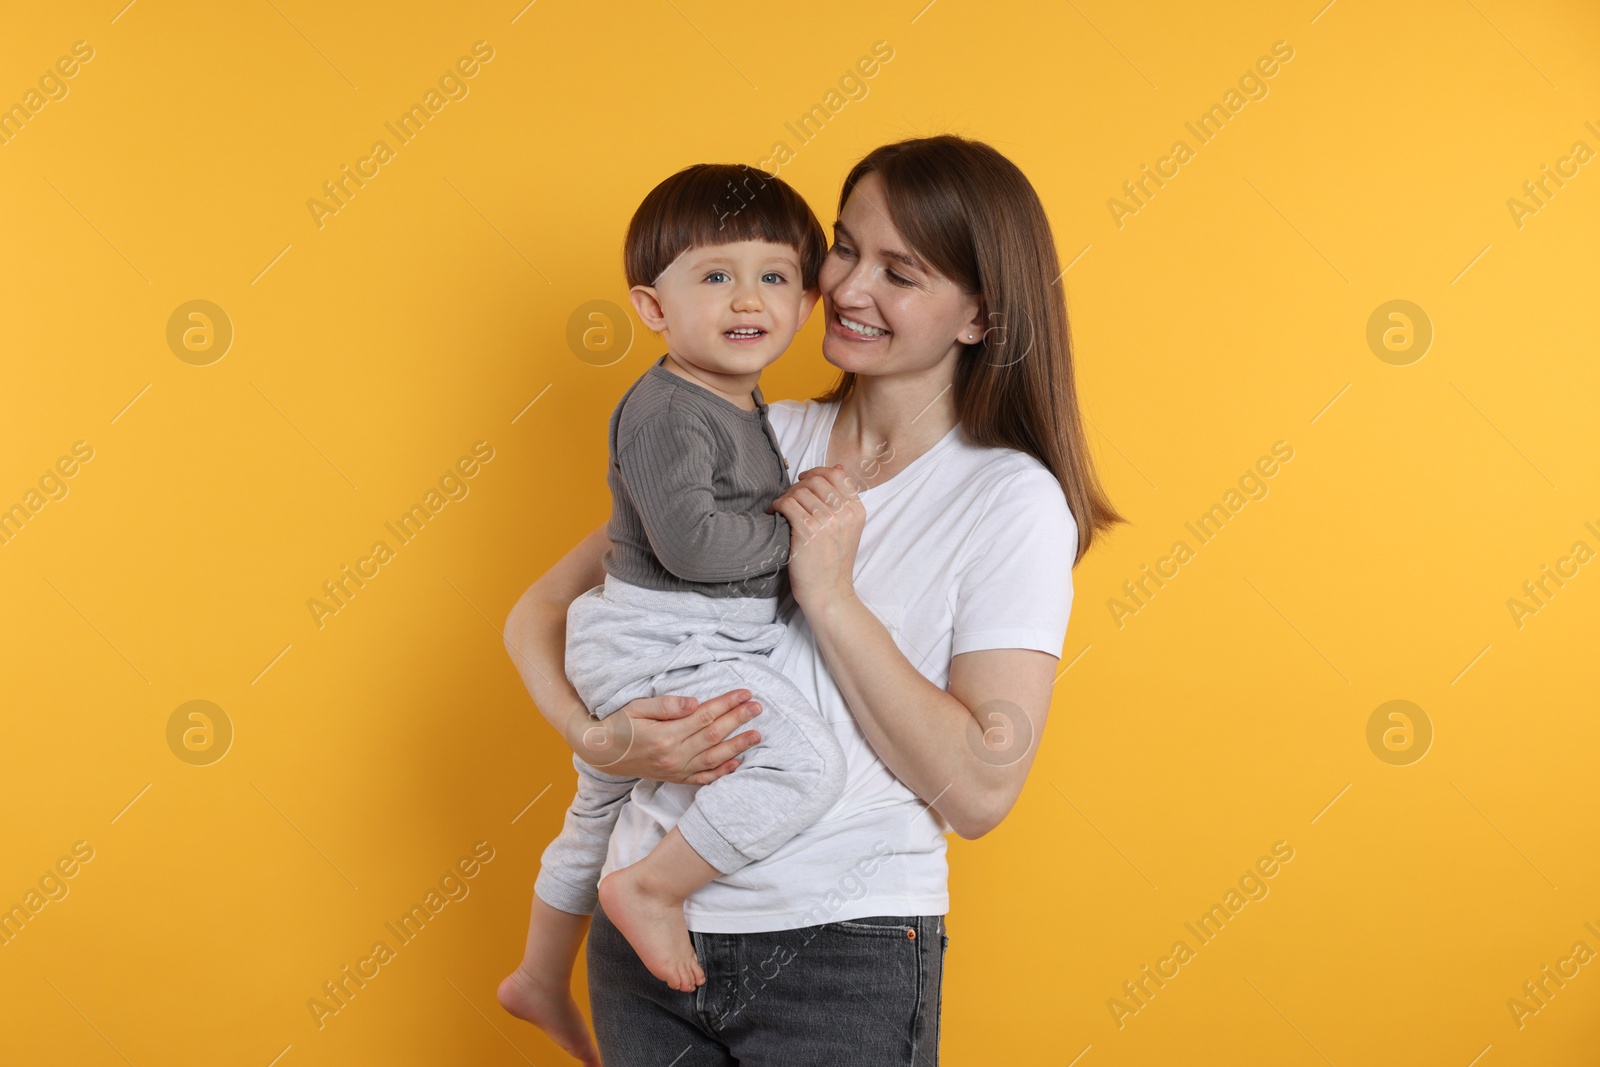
(668, 738)
(826, 516)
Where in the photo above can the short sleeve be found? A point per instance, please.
(1014, 582)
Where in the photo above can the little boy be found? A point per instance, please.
(722, 261)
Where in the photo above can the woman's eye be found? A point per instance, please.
(897, 279)
(841, 250)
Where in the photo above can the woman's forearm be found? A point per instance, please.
(672, 739)
(921, 732)
(536, 635)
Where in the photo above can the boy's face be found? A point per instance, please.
(729, 308)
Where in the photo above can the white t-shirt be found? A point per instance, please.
(967, 548)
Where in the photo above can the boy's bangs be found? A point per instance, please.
(720, 203)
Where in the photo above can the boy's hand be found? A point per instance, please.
(670, 738)
(826, 517)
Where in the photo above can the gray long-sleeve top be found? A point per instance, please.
(691, 476)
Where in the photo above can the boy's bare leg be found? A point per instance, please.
(645, 901)
(540, 989)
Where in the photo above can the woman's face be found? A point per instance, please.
(887, 311)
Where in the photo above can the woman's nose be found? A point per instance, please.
(852, 288)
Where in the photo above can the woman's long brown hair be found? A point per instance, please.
(971, 214)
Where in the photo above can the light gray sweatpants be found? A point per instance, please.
(626, 642)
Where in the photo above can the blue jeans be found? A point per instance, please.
(864, 992)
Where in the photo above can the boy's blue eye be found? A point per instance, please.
(772, 274)
(715, 273)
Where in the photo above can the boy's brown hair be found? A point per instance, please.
(720, 203)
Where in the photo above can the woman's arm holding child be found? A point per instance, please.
(670, 738)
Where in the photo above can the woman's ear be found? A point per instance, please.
(648, 305)
(976, 328)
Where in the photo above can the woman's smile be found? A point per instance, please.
(855, 330)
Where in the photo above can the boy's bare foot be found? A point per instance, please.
(551, 1010)
(652, 921)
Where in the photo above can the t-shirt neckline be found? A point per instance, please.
(898, 479)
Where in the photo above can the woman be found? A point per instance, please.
(944, 483)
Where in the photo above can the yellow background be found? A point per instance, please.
(1229, 313)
